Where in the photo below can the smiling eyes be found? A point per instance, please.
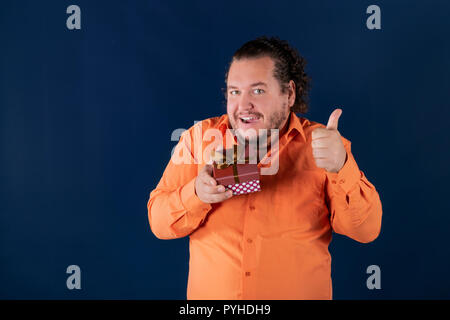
(256, 91)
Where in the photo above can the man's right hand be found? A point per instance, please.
(207, 189)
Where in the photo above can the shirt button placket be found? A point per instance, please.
(249, 258)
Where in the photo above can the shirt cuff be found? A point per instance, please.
(347, 177)
(191, 201)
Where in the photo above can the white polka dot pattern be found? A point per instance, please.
(245, 187)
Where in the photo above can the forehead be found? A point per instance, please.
(247, 71)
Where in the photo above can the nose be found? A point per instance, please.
(245, 103)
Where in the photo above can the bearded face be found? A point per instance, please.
(255, 101)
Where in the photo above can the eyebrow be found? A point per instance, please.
(252, 85)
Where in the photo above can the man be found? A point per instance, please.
(271, 244)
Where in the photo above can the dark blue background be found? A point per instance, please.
(86, 119)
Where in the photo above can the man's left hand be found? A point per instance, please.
(327, 147)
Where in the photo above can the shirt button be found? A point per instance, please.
(249, 240)
(247, 274)
(341, 181)
(333, 182)
(252, 207)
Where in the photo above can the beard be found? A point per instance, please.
(263, 138)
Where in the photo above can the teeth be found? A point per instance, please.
(248, 118)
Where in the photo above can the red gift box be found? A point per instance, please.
(241, 178)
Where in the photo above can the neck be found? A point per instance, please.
(264, 149)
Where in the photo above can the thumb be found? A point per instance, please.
(333, 120)
(207, 171)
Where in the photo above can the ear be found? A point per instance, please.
(292, 95)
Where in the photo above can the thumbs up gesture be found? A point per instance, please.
(327, 147)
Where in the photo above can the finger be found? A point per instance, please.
(208, 169)
(219, 197)
(333, 120)
(320, 143)
(321, 153)
(206, 175)
(212, 189)
(322, 163)
(319, 133)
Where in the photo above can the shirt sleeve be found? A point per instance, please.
(174, 210)
(354, 203)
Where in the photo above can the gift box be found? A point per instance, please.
(239, 177)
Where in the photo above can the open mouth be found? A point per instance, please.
(249, 119)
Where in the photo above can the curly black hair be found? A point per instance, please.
(289, 65)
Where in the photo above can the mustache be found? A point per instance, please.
(249, 114)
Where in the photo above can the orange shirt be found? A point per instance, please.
(271, 244)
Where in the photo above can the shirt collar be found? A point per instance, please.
(294, 127)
